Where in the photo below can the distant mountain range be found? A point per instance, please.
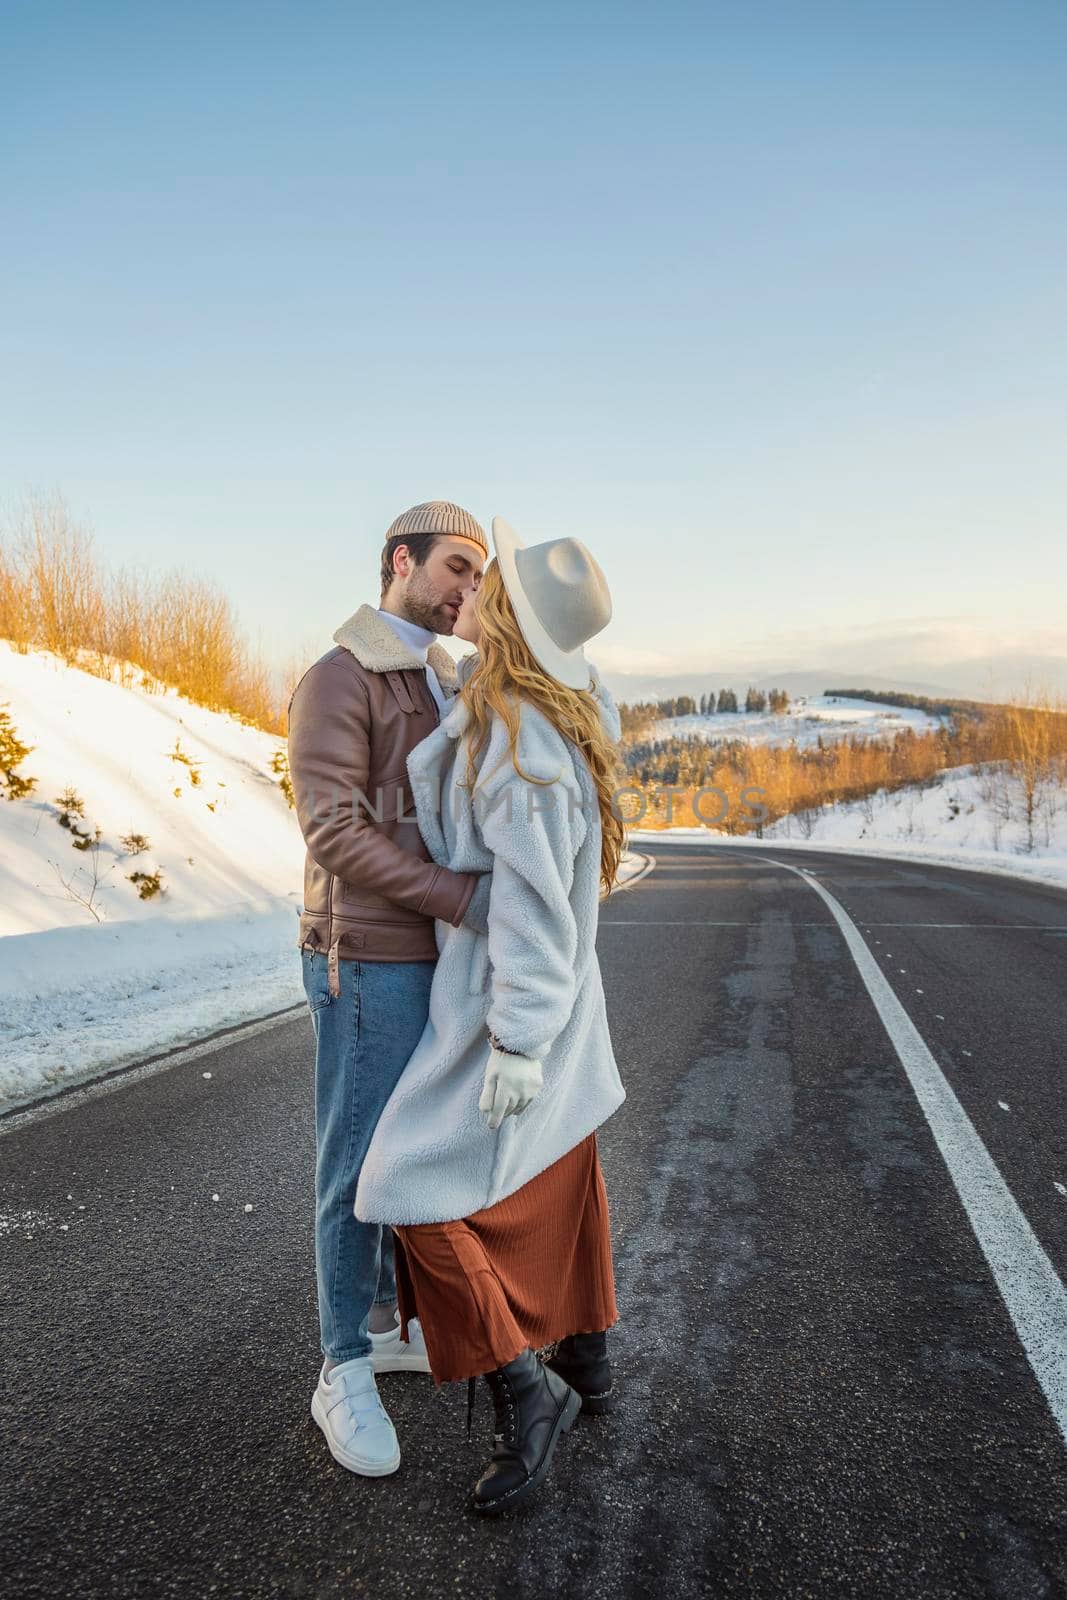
(990, 679)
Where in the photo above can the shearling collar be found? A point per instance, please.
(376, 647)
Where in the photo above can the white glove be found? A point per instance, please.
(511, 1082)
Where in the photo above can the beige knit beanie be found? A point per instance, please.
(439, 516)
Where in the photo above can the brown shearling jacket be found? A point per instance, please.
(371, 891)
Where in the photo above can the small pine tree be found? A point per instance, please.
(71, 811)
(70, 805)
(279, 763)
(12, 753)
(148, 883)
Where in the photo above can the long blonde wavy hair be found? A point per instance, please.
(506, 673)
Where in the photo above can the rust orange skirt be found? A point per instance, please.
(527, 1271)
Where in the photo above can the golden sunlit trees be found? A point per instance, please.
(176, 630)
(1019, 751)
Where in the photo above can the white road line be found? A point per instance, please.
(1030, 1288)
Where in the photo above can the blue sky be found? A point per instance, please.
(766, 302)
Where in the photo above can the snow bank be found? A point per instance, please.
(76, 1002)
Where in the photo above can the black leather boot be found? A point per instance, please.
(533, 1407)
(581, 1360)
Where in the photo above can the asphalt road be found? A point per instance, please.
(822, 1390)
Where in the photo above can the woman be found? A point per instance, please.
(485, 1158)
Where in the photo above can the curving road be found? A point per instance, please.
(839, 1197)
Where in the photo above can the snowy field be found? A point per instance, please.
(963, 819)
(91, 976)
(831, 717)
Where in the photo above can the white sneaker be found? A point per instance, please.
(389, 1353)
(347, 1408)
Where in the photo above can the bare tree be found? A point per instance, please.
(1030, 745)
(807, 817)
(85, 894)
(61, 579)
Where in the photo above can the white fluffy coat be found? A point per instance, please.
(534, 979)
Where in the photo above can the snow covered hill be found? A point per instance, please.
(829, 716)
(197, 784)
(91, 974)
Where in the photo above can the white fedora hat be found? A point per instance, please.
(560, 598)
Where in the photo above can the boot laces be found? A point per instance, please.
(504, 1408)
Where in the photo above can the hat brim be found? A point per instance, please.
(570, 667)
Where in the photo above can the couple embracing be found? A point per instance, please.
(460, 831)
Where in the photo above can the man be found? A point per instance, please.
(367, 936)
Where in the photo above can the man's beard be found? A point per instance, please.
(422, 608)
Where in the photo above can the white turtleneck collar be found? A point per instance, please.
(418, 641)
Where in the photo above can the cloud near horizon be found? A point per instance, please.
(921, 641)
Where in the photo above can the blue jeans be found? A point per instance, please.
(363, 1041)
